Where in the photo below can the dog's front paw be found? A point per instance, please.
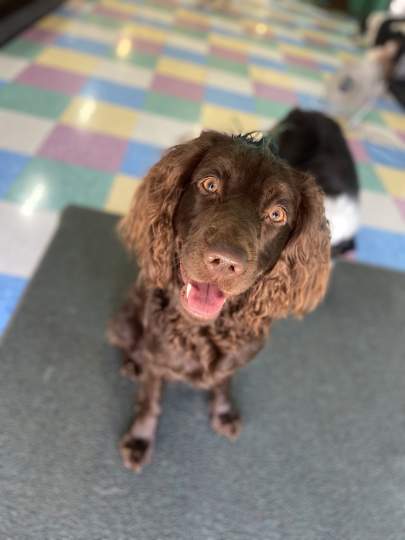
(130, 369)
(227, 424)
(135, 451)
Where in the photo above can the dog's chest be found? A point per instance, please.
(200, 355)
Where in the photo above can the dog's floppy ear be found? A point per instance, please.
(147, 229)
(299, 279)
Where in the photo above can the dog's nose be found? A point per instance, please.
(226, 262)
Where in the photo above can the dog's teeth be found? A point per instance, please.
(188, 289)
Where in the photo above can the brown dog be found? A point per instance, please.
(228, 238)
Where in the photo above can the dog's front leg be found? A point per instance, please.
(225, 418)
(136, 446)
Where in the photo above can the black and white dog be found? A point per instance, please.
(313, 142)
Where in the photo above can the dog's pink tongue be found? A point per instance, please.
(205, 299)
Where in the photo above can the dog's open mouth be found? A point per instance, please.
(201, 300)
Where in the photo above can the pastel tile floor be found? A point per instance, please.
(92, 94)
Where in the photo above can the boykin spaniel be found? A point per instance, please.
(228, 238)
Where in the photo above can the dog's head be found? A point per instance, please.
(220, 219)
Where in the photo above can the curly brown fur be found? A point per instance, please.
(228, 239)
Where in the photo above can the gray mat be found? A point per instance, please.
(321, 456)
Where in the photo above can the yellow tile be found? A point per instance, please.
(101, 117)
(393, 180)
(222, 119)
(144, 32)
(181, 69)
(296, 51)
(192, 16)
(395, 121)
(229, 43)
(270, 76)
(53, 22)
(74, 61)
(120, 6)
(120, 196)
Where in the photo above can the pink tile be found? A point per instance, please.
(40, 35)
(229, 54)
(145, 46)
(299, 61)
(274, 93)
(192, 25)
(401, 135)
(358, 150)
(83, 148)
(52, 79)
(177, 87)
(110, 12)
(401, 205)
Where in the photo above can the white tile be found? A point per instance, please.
(306, 85)
(227, 81)
(154, 14)
(190, 44)
(21, 132)
(11, 66)
(123, 73)
(91, 31)
(379, 210)
(161, 131)
(265, 53)
(23, 238)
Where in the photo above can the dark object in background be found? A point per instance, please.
(15, 15)
(313, 142)
(393, 29)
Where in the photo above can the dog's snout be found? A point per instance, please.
(226, 262)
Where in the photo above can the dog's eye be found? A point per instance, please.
(210, 185)
(277, 214)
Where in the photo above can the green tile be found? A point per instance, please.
(32, 100)
(303, 71)
(374, 118)
(266, 107)
(23, 48)
(368, 178)
(61, 185)
(102, 20)
(228, 65)
(267, 43)
(143, 59)
(180, 108)
(199, 34)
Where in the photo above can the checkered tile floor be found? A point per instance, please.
(92, 93)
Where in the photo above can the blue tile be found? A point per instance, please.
(11, 164)
(266, 62)
(183, 54)
(290, 40)
(64, 11)
(310, 102)
(83, 45)
(233, 100)
(327, 67)
(392, 157)
(127, 96)
(389, 105)
(150, 21)
(218, 29)
(139, 158)
(381, 248)
(11, 289)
